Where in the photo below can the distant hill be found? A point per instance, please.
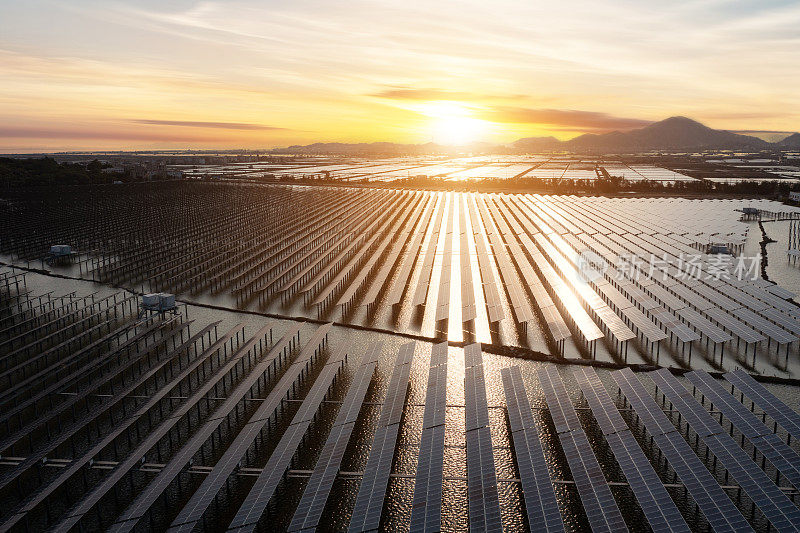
(672, 134)
(675, 133)
(537, 144)
(791, 142)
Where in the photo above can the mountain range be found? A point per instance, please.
(670, 135)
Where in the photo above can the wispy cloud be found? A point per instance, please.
(421, 94)
(564, 119)
(413, 93)
(359, 70)
(203, 124)
(97, 133)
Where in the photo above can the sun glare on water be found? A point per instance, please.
(452, 124)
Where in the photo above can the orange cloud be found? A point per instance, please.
(564, 119)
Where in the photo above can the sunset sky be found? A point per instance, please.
(142, 74)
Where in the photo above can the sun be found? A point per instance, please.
(451, 123)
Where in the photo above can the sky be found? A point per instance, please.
(145, 74)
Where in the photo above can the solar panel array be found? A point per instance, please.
(427, 504)
(177, 463)
(596, 497)
(541, 505)
(779, 411)
(654, 500)
(775, 505)
(720, 512)
(336, 248)
(97, 493)
(279, 460)
(372, 491)
(780, 454)
(309, 511)
(484, 502)
(98, 415)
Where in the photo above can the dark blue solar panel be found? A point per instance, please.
(775, 505)
(713, 501)
(427, 503)
(782, 457)
(540, 499)
(653, 498)
(484, 502)
(372, 491)
(596, 497)
(779, 411)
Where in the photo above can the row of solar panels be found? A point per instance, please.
(662, 514)
(484, 508)
(750, 302)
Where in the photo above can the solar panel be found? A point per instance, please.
(443, 298)
(519, 413)
(427, 503)
(177, 462)
(308, 513)
(484, 502)
(541, 505)
(494, 306)
(477, 415)
(564, 416)
(468, 310)
(666, 298)
(437, 388)
(396, 392)
(782, 457)
(780, 292)
(782, 319)
(636, 294)
(613, 295)
(369, 502)
(690, 296)
(734, 326)
(683, 332)
(74, 515)
(775, 505)
(696, 320)
(596, 497)
(653, 498)
(764, 326)
(427, 263)
(645, 326)
(372, 491)
(716, 297)
(744, 298)
(779, 411)
(280, 459)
